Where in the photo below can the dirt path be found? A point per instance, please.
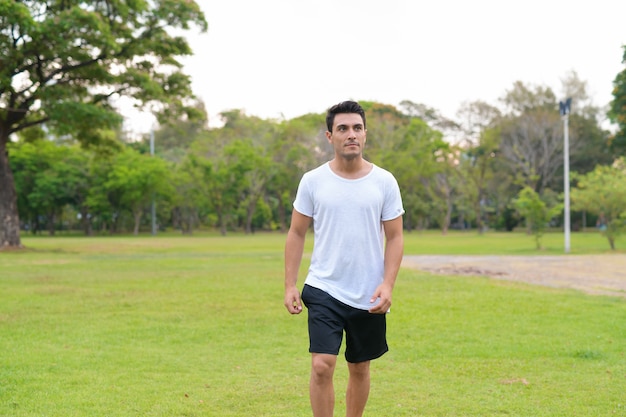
(593, 274)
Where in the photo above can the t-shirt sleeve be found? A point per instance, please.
(392, 207)
(304, 201)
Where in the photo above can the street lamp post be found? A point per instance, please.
(564, 109)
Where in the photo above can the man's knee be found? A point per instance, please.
(323, 365)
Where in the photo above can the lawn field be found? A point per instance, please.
(195, 326)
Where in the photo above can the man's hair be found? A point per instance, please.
(344, 107)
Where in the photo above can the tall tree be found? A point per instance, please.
(602, 193)
(136, 179)
(410, 152)
(532, 135)
(591, 147)
(293, 152)
(536, 212)
(480, 145)
(617, 111)
(189, 180)
(64, 63)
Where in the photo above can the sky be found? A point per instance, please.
(280, 59)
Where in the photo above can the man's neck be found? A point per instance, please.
(350, 168)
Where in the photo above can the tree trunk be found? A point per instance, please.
(282, 215)
(222, 222)
(51, 220)
(408, 221)
(187, 220)
(137, 216)
(448, 216)
(86, 221)
(478, 210)
(249, 214)
(9, 218)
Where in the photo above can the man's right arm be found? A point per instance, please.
(294, 247)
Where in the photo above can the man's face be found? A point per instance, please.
(348, 135)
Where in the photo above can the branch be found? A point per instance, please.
(29, 124)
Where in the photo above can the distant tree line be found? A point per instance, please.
(65, 163)
(492, 168)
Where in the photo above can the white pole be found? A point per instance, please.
(153, 207)
(566, 221)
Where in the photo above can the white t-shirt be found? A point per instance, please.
(348, 250)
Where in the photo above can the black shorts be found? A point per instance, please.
(329, 318)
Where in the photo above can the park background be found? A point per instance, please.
(68, 162)
(99, 317)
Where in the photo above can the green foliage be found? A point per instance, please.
(136, 179)
(244, 175)
(291, 156)
(536, 212)
(591, 147)
(413, 154)
(477, 166)
(191, 182)
(84, 55)
(617, 111)
(48, 177)
(65, 63)
(602, 192)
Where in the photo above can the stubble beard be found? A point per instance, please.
(351, 156)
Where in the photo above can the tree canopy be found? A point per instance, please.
(602, 192)
(617, 112)
(63, 65)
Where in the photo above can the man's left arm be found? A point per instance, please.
(394, 249)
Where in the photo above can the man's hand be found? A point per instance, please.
(383, 295)
(292, 300)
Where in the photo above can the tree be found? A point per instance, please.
(532, 135)
(591, 147)
(57, 181)
(410, 152)
(536, 212)
(602, 192)
(190, 197)
(172, 141)
(64, 63)
(617, 111)
(432, 117)
(137, 179)
(291, 155)
(481, 142)
(101, 202)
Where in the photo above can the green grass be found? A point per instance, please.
(194, 326)
(517, 243)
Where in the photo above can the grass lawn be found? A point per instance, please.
(195, 326)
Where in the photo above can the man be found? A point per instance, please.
(352, 204)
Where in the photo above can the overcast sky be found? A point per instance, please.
(285, 58)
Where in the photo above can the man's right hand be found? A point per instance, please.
(293, 301)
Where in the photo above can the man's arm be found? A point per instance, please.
(394, 249)
(294, 247)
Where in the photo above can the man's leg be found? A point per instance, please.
(358, 388)
(321, 387)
